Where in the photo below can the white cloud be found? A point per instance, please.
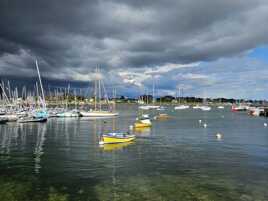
(168, 67)
(193, 76)
(137, 76)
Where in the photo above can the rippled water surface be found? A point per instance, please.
(177, 159)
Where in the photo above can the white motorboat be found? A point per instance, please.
(98, 114)
(148, 107)
(181, 107)
(205, 108)
(67, 114)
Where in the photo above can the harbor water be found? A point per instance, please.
(175, 159)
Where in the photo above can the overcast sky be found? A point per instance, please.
(208, 47)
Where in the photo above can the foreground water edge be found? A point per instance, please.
(177, 159)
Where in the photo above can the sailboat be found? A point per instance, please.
(98, 110)
(181, 106)
(66, 112)
(40, 114)
(205, 107)
(220, 106)
(153, 106)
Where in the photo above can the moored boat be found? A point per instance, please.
(72, 113)
(112, 138)
(181, 107)
(98, 114)
(149, 107)
(100, 97)
(196, 107)
(143, 121)
(31, 120)
(255, 111)
(239, 108)
(161, 108)
(10, 117)
(3, 120)
(205, 108)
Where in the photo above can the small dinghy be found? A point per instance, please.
(112, 138)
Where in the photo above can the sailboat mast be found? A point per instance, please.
(42, 90)
(99, 94)
(67, 98)
(95, 90)
(179, 95)
(37, 94)
(75, 103)
(153, 91)
(114, 108)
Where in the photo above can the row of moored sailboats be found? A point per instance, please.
(36, 110)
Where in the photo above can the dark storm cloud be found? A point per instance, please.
(71, 37)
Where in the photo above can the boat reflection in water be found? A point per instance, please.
(142, 132)
(38, 150)
(116, 146)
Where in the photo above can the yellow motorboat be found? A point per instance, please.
(143, 122)
(139, 124)
(112, 138)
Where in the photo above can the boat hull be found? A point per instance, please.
(67, 114)
(3, 121)
(114, 140)
(142, 125)
(98, 114)
(181, 107)
(32, 120)
(10, 117)
(148, 107)
(115, 146)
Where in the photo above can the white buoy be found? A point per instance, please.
(205, 125)
(219, 136)
(101, 143)
(265, 124)
(200, 121)
(131, 127)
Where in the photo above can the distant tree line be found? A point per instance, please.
(164, 99)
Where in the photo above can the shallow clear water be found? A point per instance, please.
(177, 159)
